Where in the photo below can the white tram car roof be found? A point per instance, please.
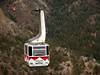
(36, 44)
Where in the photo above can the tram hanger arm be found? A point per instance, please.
(40, 38)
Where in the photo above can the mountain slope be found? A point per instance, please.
(72, 32)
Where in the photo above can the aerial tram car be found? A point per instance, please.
(36, 50)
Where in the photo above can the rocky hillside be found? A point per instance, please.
(73, 32)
